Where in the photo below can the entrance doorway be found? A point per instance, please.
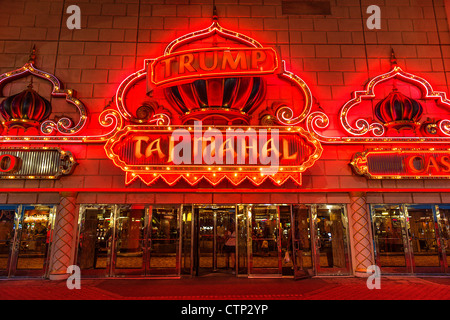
(410, 238)
(125, 240)
(214, 240)
(249, 240)
(25, 239)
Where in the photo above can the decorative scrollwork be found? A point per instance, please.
(318, 120)
(444, 126)
(363, 126)
(151, 112)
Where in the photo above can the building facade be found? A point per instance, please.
(253, 138)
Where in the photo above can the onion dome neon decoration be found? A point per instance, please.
(25, 109)
(28, 109)
(398, 111)
(235, 96)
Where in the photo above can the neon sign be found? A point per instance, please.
(186, 66)
(399, 163)
(35, 163)
(149, 153)
(221, 83)
(363, 129)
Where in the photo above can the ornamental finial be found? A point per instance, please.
(393, 58)
(215, 16)
(32, 56)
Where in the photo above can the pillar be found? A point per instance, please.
(360, 233)
(64, 236)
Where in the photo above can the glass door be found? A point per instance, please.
(120, 240)
(264, 240)
(331, 232)
(7, 232)
(131, 249)
(423, 239)
(389, 230)
(301, 241)
(32, 241)
(443, 215)
(410, 238)
(216, 239)
(164, 240)
(95, 238)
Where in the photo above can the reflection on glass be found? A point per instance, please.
(265, 253)
(444, 227)
(206, 238)
(423, 238)
(7, 215)
(388, 235)
(130, 238)
(241, 238)
(35, 238)
(95, 239)
(331, 232)
(302, 240)
(225, 238)
(286, 240)
(164, 235)
(187, 238)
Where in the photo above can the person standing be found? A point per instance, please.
(230, 247)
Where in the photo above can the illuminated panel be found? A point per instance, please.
(399, 163)
(148, 153)
(35, 163)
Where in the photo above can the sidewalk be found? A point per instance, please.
(230, 288)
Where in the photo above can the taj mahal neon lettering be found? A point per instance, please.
(213, 147)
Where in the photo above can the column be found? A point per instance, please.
(63, 242)
(361, 236)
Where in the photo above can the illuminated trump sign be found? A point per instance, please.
(187, 66)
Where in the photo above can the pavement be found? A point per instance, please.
(229, 288)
